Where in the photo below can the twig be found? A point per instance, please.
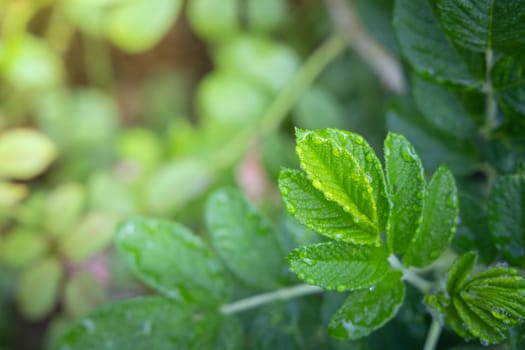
(345, 19)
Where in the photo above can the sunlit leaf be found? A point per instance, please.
(24, 153)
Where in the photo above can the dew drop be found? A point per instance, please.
(285, 191)
(372, 288)
(341, 288)
(291, 208)
(310, 281)
(358, 140)
(419, 195)
(484, 342)
(316, 183)
(369, 178)
(308, 261)
(336, 152)
(338, 236)
(407, 154)
(502, 264)
(301, 276)
(369, 158)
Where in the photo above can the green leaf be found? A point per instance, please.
(433, 146)
(151, 323)
(508, 79)
(460, 271)
(24, 153)
(443, 108)
(38, 288)
(427, 48)
(506, 210)
(438, 220)
(484, 305)
(83, 293)
(246, 242)
(154, 22)
(64, 205)
(92, 234)
(366, 158)
(406, 186)
(21, 247)
(481, 25)
(28, 63)
(312, 209)
(335, 172)
(168, 257)
(366, 310)
(340, 266)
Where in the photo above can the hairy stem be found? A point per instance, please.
(410, 276)
(490, 97)
(433, 335)
(261, 299)
(280, 107)
(346, 20)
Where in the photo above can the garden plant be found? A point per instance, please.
(348, 174)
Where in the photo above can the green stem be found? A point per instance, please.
(433, 335)
(490, 97)
(280, 107)
(261, 299)
(410, 276)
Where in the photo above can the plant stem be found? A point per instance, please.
(490, 97)
(410, 276)
(345, 17)
(433, 335)
(261, 299)
(280, 107)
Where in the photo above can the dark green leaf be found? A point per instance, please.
(244, 239)
(460, 271)
(433, 147)
(427, 48)
(507, 217)
(151, 323)
(366, 310)
(443, 108)
(481, 25)
(438, 220)
(508, 78)
(335, 172)
(316, 102)
(168, 257)
(340, 266)
(473, 229)
(406, 186)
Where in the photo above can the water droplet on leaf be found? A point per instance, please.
(408, 154)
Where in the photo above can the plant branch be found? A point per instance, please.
(346, 20)
(261, 299)
(433, 335)
(410, 276)
(490, 97)
(280, 107)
